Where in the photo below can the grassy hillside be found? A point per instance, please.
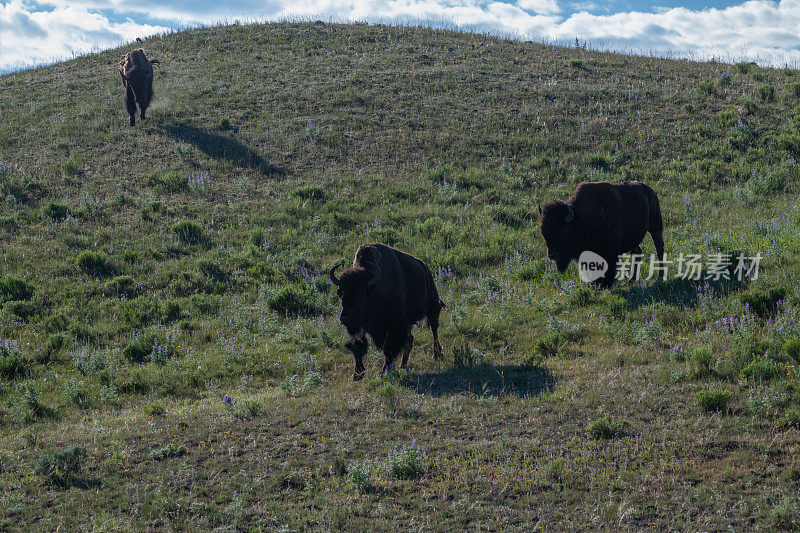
(170, 356)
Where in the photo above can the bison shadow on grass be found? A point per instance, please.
(678, 291)
(222, 148)
(485, 380)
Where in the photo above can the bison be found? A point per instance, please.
(384, 294)
(609, 219)
(137, 79)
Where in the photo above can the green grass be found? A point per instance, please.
(149, 273)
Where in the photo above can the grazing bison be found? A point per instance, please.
(384, 294)
(137, 79)
(609, 219)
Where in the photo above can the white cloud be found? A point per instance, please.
(29, 37)
(758, 29)
(545, 7)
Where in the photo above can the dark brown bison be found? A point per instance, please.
(384, 294)
(608, 219)
(137, 79)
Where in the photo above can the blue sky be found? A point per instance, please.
(42, 31)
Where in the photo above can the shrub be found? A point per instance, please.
(291, 385)
(55, 210)
(361, 475)
(577, 64)
(713, 400)
(555, 468)
(257, 237)
(252, 406)
(12, 288)
(139, 350)
(312, 380)
(76, 393)
(531, 271)
(388, 394)
(700, 363)
(793, 89)
(212, 270)
(465, 357)
(550, 345)
(707, 87)
(12, 364)
(761, 369)
(155, 409)
(409, 463)
(93, 262)
(224, 124)
(293, 300)
(31, 399)
(71, 167)
(581, 296)
(170, 181)
(64, 468)
(766, 92)
(599, 160)
(790, 418)
(749, 106)
(119, 286)
(300, 479)
(169, 311)
(651, 333)
(792, 348)
(509, 216)
(310, 192)
(785, 515)
(189, 232)
(168, 451)
(54, 344)
(727, 118)
(763, 303)
(607, 428)
(22, 309)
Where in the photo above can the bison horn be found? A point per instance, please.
(376, 272)
(332, 274)
(570, 214)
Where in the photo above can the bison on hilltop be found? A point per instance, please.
(137, 79)
(384, 294)
(609, 219)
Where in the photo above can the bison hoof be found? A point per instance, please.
(358, 376)
(437, 351)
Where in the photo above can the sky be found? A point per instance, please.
(768, 32)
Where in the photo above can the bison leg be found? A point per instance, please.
(658, 240)
(358, 347)
(433, 323)
(407, 351)
(130, 104)
(637, 263)
(395, 342)
(610, 276)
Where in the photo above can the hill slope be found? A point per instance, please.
(147, 272)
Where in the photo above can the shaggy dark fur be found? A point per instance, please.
(137, 79)
(384, 294)
(609, 219)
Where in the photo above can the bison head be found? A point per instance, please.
(558, 231)
(354, 287)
